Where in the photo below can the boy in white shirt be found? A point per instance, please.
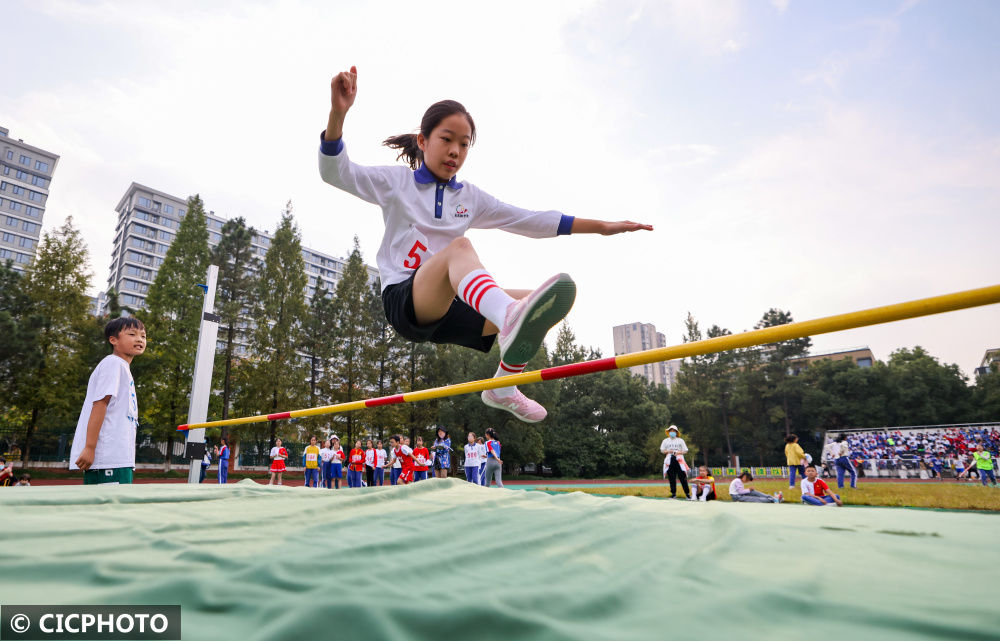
(104, 442)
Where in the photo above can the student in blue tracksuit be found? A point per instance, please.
(222, 453)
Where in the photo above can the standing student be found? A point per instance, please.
(380, 457)
(310, 460)
(472, 459)
(421, 457)
(325, 454)
(278, 455)
(206, 461)
(6, 473)
(843, 462)
(356, 465)
(481, 446)
(983, 463)
(674, 448)
(442, 453)
(434, 288)
(815, 491)
(494, 464)
(336, 461)
(794, 456)
(404, 455)
(222, 453)
(370, 460)
(104, 442)
(395, 462)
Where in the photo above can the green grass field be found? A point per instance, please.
(947, 495)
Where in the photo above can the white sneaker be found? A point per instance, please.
(517, 404)
(528, 320)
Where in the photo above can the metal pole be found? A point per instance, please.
(204, 361)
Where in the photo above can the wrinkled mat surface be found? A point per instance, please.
(446, 560)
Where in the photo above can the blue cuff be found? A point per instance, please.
(330, 147)
(565, 225)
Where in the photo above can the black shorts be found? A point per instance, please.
(461, 325)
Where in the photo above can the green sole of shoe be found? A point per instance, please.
(550, 308)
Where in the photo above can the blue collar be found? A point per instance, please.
(424, 176)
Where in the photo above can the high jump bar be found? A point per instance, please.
(851, 320)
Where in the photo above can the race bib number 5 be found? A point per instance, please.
(413, 258)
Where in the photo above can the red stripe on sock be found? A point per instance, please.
(516, 369)
(482, 293)
(479, 288)
(469, 286)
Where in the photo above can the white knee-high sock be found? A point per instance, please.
(506, 370)
(479, 291)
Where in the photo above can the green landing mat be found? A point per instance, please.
(444, 559)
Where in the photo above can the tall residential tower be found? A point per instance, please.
(25, 176)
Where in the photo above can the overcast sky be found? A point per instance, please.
(815, 157)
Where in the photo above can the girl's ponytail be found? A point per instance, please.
(408, 149)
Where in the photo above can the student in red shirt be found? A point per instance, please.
(356, 465)
(401, 452)
(422, 459)
(815, 491)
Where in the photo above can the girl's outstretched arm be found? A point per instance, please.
(343, 91)
(606, 228)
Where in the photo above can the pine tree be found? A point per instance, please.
(173, 319)
(55, 283)
(350, 378)
(317, 345)
(237, 267)
(275, 375)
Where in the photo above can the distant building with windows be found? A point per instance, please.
(861, 356)
(991, 360)
(25, 177)
(637, 337)
(148, 220)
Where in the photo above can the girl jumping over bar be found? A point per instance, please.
(434, 288)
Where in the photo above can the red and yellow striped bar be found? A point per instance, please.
(841, 322)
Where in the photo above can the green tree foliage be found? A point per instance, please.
(234, 255)
(274, 376)
(54, 284)
(353, 331)
(925, 391)
(986, 396)
(173, 317)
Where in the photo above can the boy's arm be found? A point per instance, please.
(606, 228)
(97, 414)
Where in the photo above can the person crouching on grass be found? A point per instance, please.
(704, 486)
(815, 491)
(741, 492)
(104, 442)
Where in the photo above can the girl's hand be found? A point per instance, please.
(611, 228)
(343, 90)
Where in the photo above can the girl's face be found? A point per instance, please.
(445, 149)
(420, 440)
(370, 445)
(703, 470)
(277, 442)
(357, 445)
(472, 437)
(441, 434)
(312, 441)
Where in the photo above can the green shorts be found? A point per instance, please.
(114, 476)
